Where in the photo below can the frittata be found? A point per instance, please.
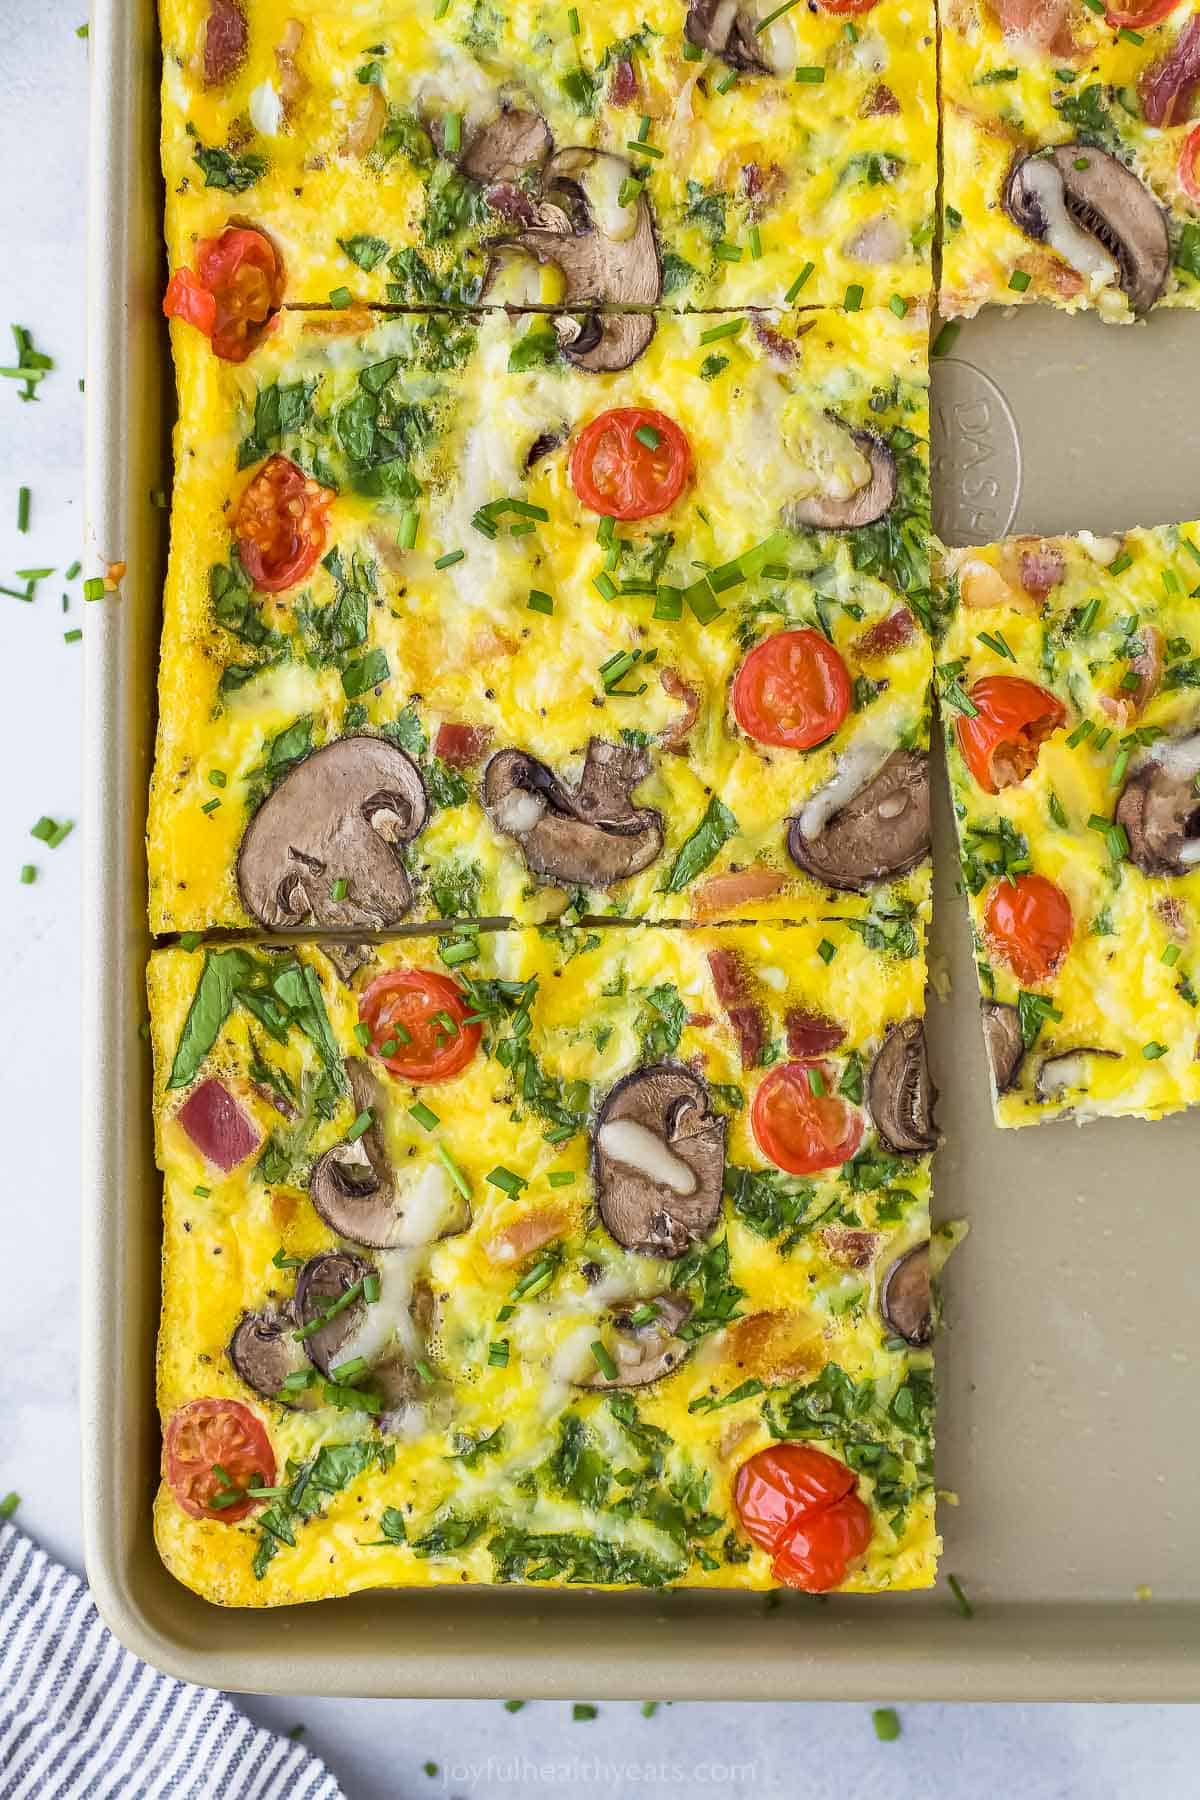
(454, 626)
(550, 1256)
(1071, 155)
(1068, 688)
(718, 153)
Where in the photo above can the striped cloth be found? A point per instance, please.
(82, 1719)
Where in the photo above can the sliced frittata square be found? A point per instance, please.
(454, 626)
(546, 1257)
(637, 152)
(1068, 688)
(1071, 156)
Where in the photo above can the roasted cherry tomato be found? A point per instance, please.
(241, 273)
(850, 6)
(801, 1123)
(1189, 165)
(210, 1439)
(417, 1020)
(1027, 923)
(280, 525)
(792, 689)
(1137, 18)
(1013, 718)
(800, 1505)
(630, 463)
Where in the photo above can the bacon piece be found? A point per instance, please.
(521, 1237)
(217, 1126)
(699, 1020)
(461, 745)
(853, 1249)
(1166, 86)
(808, 1034)
(674, 737)
(880, 100)
(511, 202)
(1170, 911)
(728, 976)
(887, 635)
(1042, 24)
(743, 1013)
(1130, 703)
(763, 188)
(623, 84)
(293, 85)
(1042, 568)
(366, 123)
(784, 350)
(723, 893)
(347, 321)
(226, 39)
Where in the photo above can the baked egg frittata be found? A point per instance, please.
(711, 154)
(1071, 155)
(455, 627)
(518, 1264)
(1067, 685)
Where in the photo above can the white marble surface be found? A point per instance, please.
(377, 1748)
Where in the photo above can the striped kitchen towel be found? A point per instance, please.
(82, 1719)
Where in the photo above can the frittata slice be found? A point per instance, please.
(636, 153)
(1071, 155)
(504, 1265)
(1068, 691)
(646, 642)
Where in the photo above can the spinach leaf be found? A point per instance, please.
(413, 280)
(676, 274)
(225, 169)
(309, 1485)
(365, 251)
(595, 1561)
(704, 1272)
(770, 1203)
(662, 1025)
(453, 203)
(223, 973)
(370, 671)
(715, 829)
(538, 349)
(235, 608)
(1187, 250)
(403, 133)
(888, 928)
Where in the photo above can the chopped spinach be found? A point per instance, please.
(715, 829)
(310, 1485)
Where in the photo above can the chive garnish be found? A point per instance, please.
(452, 133)
(356, 1290)
(406, 537)
(1171, 955)
(771, 17)
(506, 1181)
(799, 282)
(340, 298)
(816, 1082)
(648, 437)
(899, 305)
(604, 1361)
(1153, 1051)
(887, 1724)
(810, 75)
(1019, 280)
(451, 557)
(996, 641)
(28, 874)
(498, 1353)
(561, 1177)
(424, 1115)
(1083, 730)
(960, 1599)
(854, 297)
(1120, 563)
(455, 1173)
(338, 889)
(728, 328)
(362, 1124)
(23, 499)
(943, 343)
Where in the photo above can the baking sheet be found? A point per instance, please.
(1067, 1369)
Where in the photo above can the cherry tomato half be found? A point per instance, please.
(416, 1018)
(280, 525)
(800, 1505)
(241, 273)
(1027, 923)
(1136, 18)
(630, 463)
(850, 6)
(800, 1123)
(1013, 718)
(207, 1435)
(792, 689)
(1189, 165)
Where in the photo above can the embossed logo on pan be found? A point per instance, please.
(976, 455)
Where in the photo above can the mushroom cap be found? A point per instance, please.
(264, 1351)
(823, 513)
(900, 1091)
(725, 28)
(880, 832)
(356, 1191)
(641, 1210)
(906, 1297)
(508, 146)
(1066, 1070)
(1003, 1042)
(342, 813)
(322, 1280)
(1160, 810)
(605, 342)
(645, 1353)
(591, 837)
(1107, 201)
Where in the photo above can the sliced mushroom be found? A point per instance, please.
(658, 1160)
(823, 512)
(340, 816)
(1003, 1042)
(264, 1352)
(1094, 213)
(727, 29)
(360, 1196)
(516, 142)
(900, 1091)
(644, 1352)
(319, 1285)
(1068, 1072)
(590, 837)
(906, 1297)
(597, 265)
(347, 959)
(1159, 808)
(877, 830)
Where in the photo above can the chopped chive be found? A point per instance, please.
(340, 298)
(1087, 617)
(640, 148)
(899, 305)
(943, 343)
(771, 17)
(956, 1587)
(605, 586)
(339, 888)
(28, 874)
(1120, 563)
(217, 778)
(826, 951)
(1130, 37)
(1171, 955)
(73, 636)
(1153, 1051)
(648, 437)
(406, 537)
(887, 1724)
(362, 1124)
(452, 133)
(23, 499)
(799, 282)
(210, 807)
(1056, 811)
(357, 1290)
(702, 602)
(454, 951)
(189, 941)
(1083, 730)
(424, 1115)
(643, 1315)
(668, 603)
(75, 567)
(573, 21)
(1019, 281)
(93, 588)
(692, 52)
(561, 1177)
(816, 1082)
(440, 8)
(506, 1181)
(370, 1288)
(498, 1354)
(362, 1032)
(726, 253)
(810, 75)
(535, 1279)
(728, 328)
(604, 1361)
(1120, 764)
(349, 1371)
(1102, 737)
(629, 190)
(455, 1173)
(997, 642)
(854, 297)
(726, 82)
(451, 557)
